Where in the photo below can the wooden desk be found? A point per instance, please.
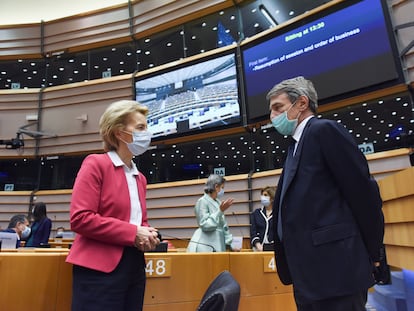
(42, 250)
(189, 277)
(260, 286)
(58, 244)
(176, 281)
(39, 281)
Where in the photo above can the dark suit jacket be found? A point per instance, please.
(40, 233)
(332, 220)
(259, 226)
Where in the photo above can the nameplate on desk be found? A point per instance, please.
(269, 264)
(158, 267)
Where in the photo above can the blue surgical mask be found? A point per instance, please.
(220, 193)
(140, 142)
(265, 200)
(283, 125)
(26, 232)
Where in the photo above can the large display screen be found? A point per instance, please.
(344, 49)
(191, 97)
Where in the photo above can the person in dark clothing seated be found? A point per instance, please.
(19, 224)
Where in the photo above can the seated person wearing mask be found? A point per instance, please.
(19, 224)
(59, 232)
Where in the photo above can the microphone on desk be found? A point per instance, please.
(189, 241)
(211, 246)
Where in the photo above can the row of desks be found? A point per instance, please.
(41, 279)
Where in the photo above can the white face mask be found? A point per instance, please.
(26, 232)
(140, 142)
(220, 193)
(265, 200)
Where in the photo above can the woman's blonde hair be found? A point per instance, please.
(116, 117)
(271, 191)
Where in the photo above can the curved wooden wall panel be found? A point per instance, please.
(150, 17)
(399, 211)
(397, 192)
(22, 41)
(383, 164)
(400, 234)
(72, 113)
(102, 27)
(15, 105)
(12, 203)
(90, 29)
(18, 202)
(396, 185)
(113, 25)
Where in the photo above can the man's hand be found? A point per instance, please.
(382, 273)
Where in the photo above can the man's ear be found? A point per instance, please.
(303, 103)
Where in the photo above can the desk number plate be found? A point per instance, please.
(158, 267)
(269, 264)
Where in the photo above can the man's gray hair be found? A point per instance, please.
(213, 181)
(294, 88)
(16, 219)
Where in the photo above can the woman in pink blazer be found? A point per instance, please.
(108, 214)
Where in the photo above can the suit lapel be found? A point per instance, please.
(289, 171)
(292, 162)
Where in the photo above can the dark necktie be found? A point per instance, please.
(286, 171)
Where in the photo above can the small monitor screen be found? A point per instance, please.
(192, 97)
(342, 49)
(8, 240)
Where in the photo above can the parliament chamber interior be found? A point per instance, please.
(203, 69)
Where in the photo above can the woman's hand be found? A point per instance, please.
(226, 204)
(259, 247)
(146, 238)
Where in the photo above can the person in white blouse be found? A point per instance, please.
(108, 214)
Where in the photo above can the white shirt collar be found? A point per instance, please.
(116, 160)
(299, 129)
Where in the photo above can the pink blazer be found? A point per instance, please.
(100, 212)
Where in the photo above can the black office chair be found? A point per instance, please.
(223, 294)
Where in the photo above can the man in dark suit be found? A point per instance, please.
(328, 220)
(19, 224)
